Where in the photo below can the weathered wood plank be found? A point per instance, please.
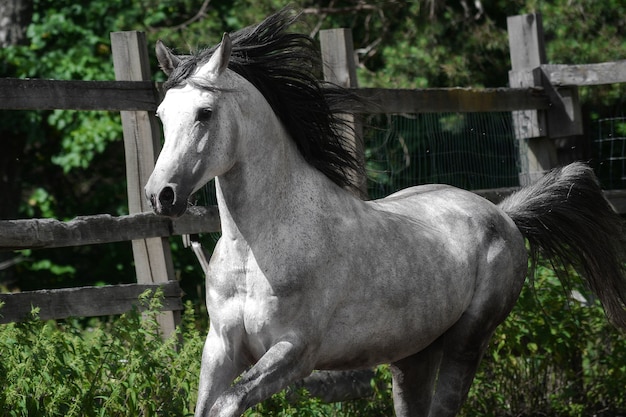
(142, 143)
(88, 230)
(36, 94)
(338, 57)
(84, 301)
(527, 51)
(526, 41)
(564, 117)
(586, 74)
(197, 219)
(441, 100)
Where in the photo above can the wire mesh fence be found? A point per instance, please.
(467, 150)
(610, 149)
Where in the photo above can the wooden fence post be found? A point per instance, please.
(527, 50)
(142, 142)
(339, 68)
(536, 130)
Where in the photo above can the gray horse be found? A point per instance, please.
(306, 276)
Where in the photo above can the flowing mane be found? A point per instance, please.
(285, 67)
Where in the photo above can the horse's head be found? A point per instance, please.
(197, 125)
(255, 100)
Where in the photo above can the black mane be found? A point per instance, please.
(285, 67)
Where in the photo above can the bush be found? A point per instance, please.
(116, 368)
(553, 356)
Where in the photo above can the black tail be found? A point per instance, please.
(566, 217)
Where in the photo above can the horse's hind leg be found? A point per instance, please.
(464, 344)
(463, 348)
(414, 380)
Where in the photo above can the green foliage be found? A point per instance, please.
(553, 356)
(119, 368)
(70, 41)
(40, 204)
(435, 44)
(279, 405)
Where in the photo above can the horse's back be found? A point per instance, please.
(448, 207)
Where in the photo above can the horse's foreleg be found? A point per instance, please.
(217, 372)
(414, 380)
(284, 363)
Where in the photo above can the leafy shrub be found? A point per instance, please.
(116, 368)
(553, 356)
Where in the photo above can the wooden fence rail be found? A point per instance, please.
(85, 301)
(103, 228)
(36, 94)
(452, 100)
(138, 98)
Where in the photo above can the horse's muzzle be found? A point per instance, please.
(166, 202)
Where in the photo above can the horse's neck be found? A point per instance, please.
(269, 180)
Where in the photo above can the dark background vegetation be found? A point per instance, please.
(552, 357)
(66, 163)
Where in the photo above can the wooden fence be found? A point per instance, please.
(544, 97)
(137, 99)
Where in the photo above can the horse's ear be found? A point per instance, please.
(167, 60)
(219, 60)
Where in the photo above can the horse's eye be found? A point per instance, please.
(204, 114)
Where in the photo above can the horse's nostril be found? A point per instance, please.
(153, 201)
(167, 197)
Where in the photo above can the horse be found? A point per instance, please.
(306, 276)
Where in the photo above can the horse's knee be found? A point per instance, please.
(230, 404)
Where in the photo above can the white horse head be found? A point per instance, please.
(199, 118)
(239, 101)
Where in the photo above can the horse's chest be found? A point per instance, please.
(242, 293)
